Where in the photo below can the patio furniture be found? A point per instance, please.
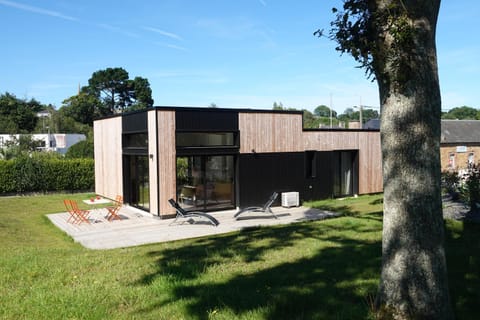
(114, 210)
(266, 208)
(77, 216)
(188, 195)
(97, 204)
(190, 215)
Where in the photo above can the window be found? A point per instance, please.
(206, 139)
(451, 160)
(310, 164)
(471, 159)
(136, 141)
(206, 182)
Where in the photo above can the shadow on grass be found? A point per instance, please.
(331, 279)
(463, 263)
(343, 210)
(377, 201)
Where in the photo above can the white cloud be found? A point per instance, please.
(38, 10)
(117, 30)
(163, 33)
(191, 76)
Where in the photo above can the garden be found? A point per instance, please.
(311, 270)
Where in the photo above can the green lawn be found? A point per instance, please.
(313, 270)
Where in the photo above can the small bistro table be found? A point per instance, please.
(95, 202)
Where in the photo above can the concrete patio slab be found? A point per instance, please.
(138, 228)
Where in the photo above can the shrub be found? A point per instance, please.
(41, 173)
(465, 186)
(81, 149)
(470, 191)
(7, 176)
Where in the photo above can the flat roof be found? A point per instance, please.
(238, 110)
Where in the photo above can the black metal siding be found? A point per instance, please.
(198, 121)
(135, 122)
(258, 175)
(320, 186)
(261, 174)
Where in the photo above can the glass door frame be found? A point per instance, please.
(134, 197)
(203, 194)
(343, 161)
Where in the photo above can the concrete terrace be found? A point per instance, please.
(138, 228)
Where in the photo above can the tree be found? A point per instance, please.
(117, 92)
(461, 113)
(278, 106)
(309, 120)
(395, 42)
(142, 94)
(84, 108)
(324, 111)
(16, 115)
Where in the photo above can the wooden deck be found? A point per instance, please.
(136, 228)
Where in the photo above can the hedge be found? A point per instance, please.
(38, 174)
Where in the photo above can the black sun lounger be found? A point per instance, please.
(266, 207)
(182, 214)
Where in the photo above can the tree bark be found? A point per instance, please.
(413, 281)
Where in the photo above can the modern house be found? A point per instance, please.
(213, 159)
(459, 144)
(58, 142)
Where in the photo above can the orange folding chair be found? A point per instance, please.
(113, 211)
(77, 216)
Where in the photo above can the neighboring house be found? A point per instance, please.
(58, 142)
(459, 144)
(372, 124)
(216, 159)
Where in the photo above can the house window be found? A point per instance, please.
(136, 141)
(310, 164)
(206, 182)
(471, 159)
(451, 160)
(206, 139)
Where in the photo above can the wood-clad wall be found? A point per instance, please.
(270, 132)
(108, 157)
(153, 161)
(369, 152)
(275, 132)
(166, 161)
(370, 163)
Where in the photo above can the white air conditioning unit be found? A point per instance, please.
(290, 199)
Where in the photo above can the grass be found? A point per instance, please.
(313, 270)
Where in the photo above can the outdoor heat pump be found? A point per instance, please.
(290, 199)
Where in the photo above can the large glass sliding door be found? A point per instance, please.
(205, 182)
(138, 186)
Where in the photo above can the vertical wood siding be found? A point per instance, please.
(366, 142)
(166, 160)
(108, 157)
(370, 163)
(270, 132)
(153, 161)
(273, 132)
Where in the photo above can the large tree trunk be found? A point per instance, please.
(413, 281)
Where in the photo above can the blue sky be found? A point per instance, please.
(244, 53)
